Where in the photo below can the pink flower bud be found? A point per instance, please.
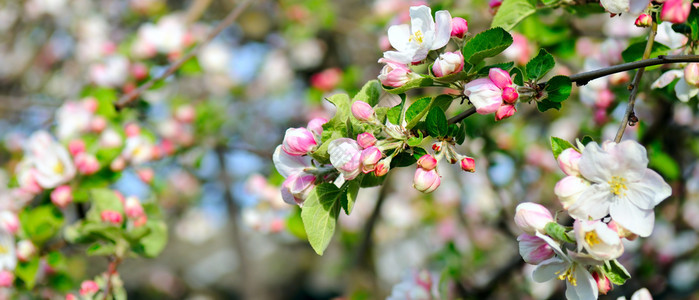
(118, 164)
(532, 217)
(139, 71)
(604, 99)
(427, 162)
(394, 74)
(298, 141)
(70, 297)
(316, 125)
(76, 147)
(619, 78)
(426, 181)
(500, 77)
(533, 249)
(120, 196)
(6, 278)
(86, 163)
(98, 124)
(448, 63)
(569, 189)
(9, 221)
(568, 161)
(510, 95)
(494, 5)
(644, 20)
(62, 196)
(369, 158)
(600, 116)
(459, 27)
(185, 114)
(140, 221)
(112, 217)
(132, 129)
(691, 74)
(504, 112)
(88, 287)
(133, 207)
(25, 250)
(603, 283)
(366, 140)
(296, 188)
(90, 104)
(146, 175)
(485, 96)
(675, 11)
(468, 164)
(383, 167)
(326, 80)
(362, 111)
(621, 231)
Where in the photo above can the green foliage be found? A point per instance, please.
(41, 223)
(319, 215)
(460, 135)
(558, 88)
(511, 12)
(664, 163)
(411, 84)
(486, 70)
(352, 191)
(191, 67)
(635, 51)
(105, 100)
(558, 232)
(27, 271)
(407, 158)
(436, 122)
(558, 145)
(541, 64)
(547, 104)
(335, 128)
(616, 273)
(370, 93)
(518, 76)
(416, 111)
(486, 44)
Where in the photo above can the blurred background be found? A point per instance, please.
(230, 234)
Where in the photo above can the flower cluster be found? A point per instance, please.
(610, 193)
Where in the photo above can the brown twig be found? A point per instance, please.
(230, 18)
(111, 270)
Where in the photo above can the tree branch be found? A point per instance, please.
(634, 85)
(230, 18)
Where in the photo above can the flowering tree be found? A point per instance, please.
(159, 104)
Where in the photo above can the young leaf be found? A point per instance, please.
(558, 145)
(416, 111)
(616, 273)
(370, 93)
(27, 271)
(461, 134)
(405, 159)
(558, 88)
(41, 223)
(486, 44)
(512, 12)
(335, 128)
(635, 51)
(518, 76)
(557, 232)
(352, 189)
(436, 122)
(541, 64)
(547, 104)
(486, 70)
(586, 139)
(319, 215)
(415, 83)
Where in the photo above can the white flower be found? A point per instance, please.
(580, 285)
(51, 161)
(418, 286)
(598, 239)
(138, 149)
(621, 186)
(112, 72)
(414, 41)
(345, 154)
(641, 294)
(683, 90)
(72, 118)
(8, 258)
(635, 7)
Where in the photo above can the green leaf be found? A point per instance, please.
(547, 104)
(103, 199)
(411, 84)
(370, 93)
(442, 101)
(352, 189)
(693, 22)
(41, 223)
(587, 139)
(486, 44)
(558, 232)
(371, 180)
(406, 158)
(518, 76)
(486, 70)
(415, 140)
(461, 134)
(541, 64)
(319, 215)
(295, 225)
(436, 122)
(512, 12)
(558, 88)
(27, 272)
(191, 67)
(105, 100)
(154, 242)
(616, 272)
(558, 145)
(416, 111)
(635, 51)
(101, 249)
(664, 163)
(335, 128)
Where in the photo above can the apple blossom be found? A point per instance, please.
(427, 162)
(532, 217)
(675, 11)
(569, 189)
(643, 20)
(504, 112)
(62, 196)
(691, 74)
(316, 126)
(519, 51)
(138, 149)
(326, 80)
(296, 187)
(362, 111)
(683, 90)
(132, 129)
(118, 164)
(494, 5)
(86, 163)
(568, 161)
(76, 146)
(426, 181)
(485, 96)
(383, 166)
(369, 158)
(72, 118)
(133, 207)
(603, 283)
(51, 161)
(9, 221)
(345, 155)
(448, 63)
(366, 140)
(534, 250)
(110, 139)
(459, 27)
(6, 278)
(88, 288)
(8, 258)
(111, 216)
(420, 285)
(625, 6)
(509, 95)
(414, 41)
(597, 239)
(298, 141)
(25, 250)
(468, 164)
(146, 175)
(641, 294)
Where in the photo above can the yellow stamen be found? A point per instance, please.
(618, 185)
(591, 238)
(568, 275)
(417, 36)
(3, 250)
(58, 168)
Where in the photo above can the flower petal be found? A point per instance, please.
(637, 6)
(649, 191)
(399, 36)
(287, 164)
(637, 220)
(443, 30)
(593, 203)
(421, 19)
(484, 95)
(585, 287)
(683, 91)
(549, 269)
(632, 158)
(404, 57)
(595, 163)
(667, 78)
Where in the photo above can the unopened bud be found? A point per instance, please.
(362, 111)
(505, 111)
(6, 278)
(326, 80)
(298, 141)
(532, 217)
(459, 27)
(139, 71)
(140, 221)
(90, 104)
(691, 74)
(62, 196)
(133, 207)
(112, 217)
(25, 250)
(494, 5)
(70, 297)
(9, 221)
(621, 231)
(509, 95)
(369, 158)
(366, 140)
(468, 164)
(185, 114)
(316, 125)
(86, 163)
(533, 249)
(98, 124)
(603, 283)
(383, 167)
(426, 181)
(88, 287)
(76, 147)
(569, 161)
(132, 129)
(644, 20)
(500, 78)
(448, 63)
(118, 164)
(146, 175)
(427, 162)
(675, 11)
